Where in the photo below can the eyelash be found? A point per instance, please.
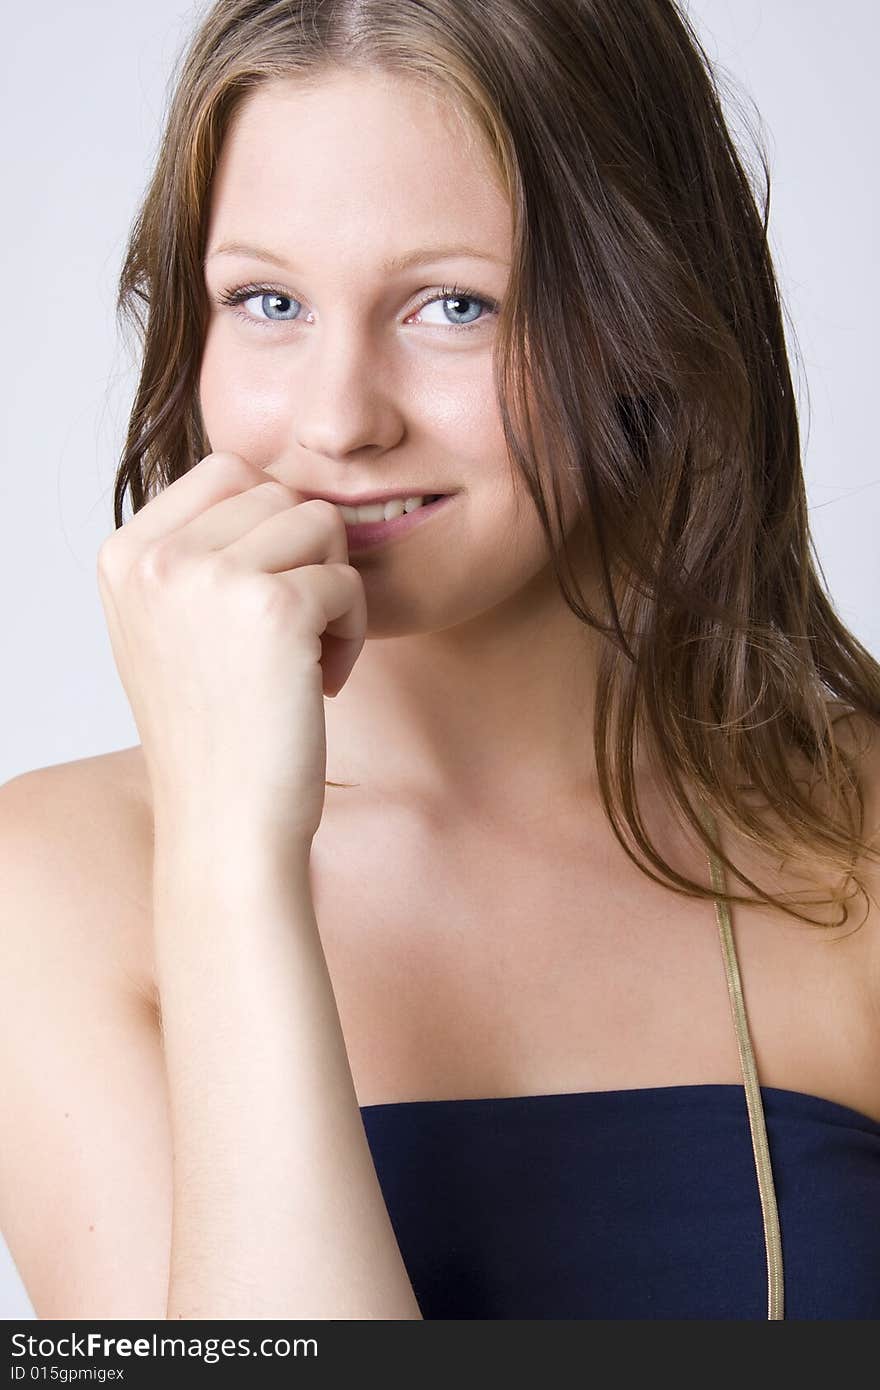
(240, 294)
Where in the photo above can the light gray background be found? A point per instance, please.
(83, 93)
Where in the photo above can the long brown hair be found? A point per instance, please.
(641, 347)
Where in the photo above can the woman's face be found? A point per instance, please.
(342, 374)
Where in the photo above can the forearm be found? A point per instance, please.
(277, 1210)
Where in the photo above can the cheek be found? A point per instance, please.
(244, 410)
(504, 533)
(502, 546)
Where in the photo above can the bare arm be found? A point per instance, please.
(85, 1155)
(277, 1210)
(233, 613)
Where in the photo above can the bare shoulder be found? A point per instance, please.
(85, 1167)
(90, 820)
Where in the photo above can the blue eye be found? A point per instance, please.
(451, 294)
(266, 296)
(278, 306)
(273, 299)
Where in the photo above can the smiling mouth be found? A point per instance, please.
(371, 533)
(386, 511)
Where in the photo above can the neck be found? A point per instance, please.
(496, 712)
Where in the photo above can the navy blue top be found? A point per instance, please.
(638, 1203)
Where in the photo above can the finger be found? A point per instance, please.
(233, 517)
(213, 478)
(307, 533)
(338, 591)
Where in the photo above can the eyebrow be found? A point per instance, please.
(389, 267)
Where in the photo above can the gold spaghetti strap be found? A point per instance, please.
(754, 1101)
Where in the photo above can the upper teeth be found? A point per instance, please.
(381, 511)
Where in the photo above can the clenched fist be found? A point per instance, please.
(232, 611)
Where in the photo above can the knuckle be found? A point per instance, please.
(113, 560)
(210, 567)
(154, 564)
(260, 594)
(303, 602)
(232, 466)
(269, 600)
(325, 511)
(106, 562)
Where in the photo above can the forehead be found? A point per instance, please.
(356, 160)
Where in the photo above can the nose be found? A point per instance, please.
(344, 403)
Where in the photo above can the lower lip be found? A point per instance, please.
(372, 533)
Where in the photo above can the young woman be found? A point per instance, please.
(393, 974)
